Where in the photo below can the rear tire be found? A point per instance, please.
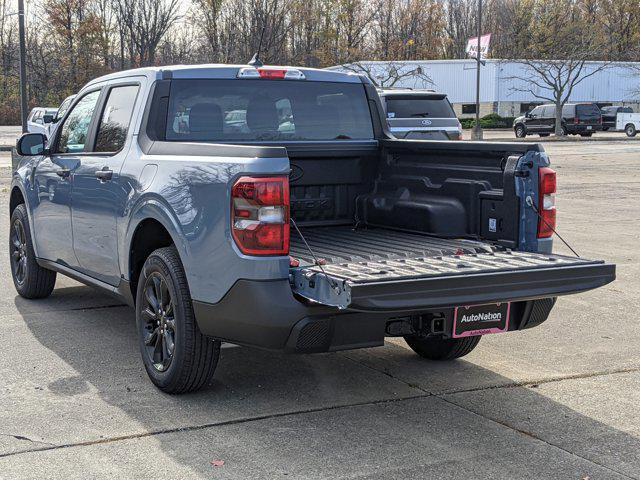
(544, 134)
(520, 131)
(586, 134)
(30, 279)
(630, 130)
(435, 348)
(177, 356)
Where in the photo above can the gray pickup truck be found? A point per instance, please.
(270, 207)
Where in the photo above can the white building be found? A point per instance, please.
(501, 85)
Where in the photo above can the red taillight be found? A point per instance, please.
(260, 215)
(576, 120)
(546, 202)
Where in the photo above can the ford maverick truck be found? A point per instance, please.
(271, 207)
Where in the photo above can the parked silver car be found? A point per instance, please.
(420, 114)
(40, 118)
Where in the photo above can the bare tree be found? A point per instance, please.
(145, 23)
(388, 74)
(560, 55)
(554, 81)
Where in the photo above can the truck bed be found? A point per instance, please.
(380, 269)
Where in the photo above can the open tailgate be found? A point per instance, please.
(404, 284)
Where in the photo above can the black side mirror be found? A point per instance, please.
(527, 115)
(31, 144)
(48, 118)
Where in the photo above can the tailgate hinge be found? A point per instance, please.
(318, 287)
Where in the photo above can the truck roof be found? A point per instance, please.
(224, 71)
(409, 92)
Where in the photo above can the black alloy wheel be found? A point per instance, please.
(19, 252)
(30, 279)
(177, 357)
(159, 323)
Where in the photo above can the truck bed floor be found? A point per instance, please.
(344, 244)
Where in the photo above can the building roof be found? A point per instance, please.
(501, 80)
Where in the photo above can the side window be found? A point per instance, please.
(537, 111)
(114, 124)
(74, 130)
(549, 111)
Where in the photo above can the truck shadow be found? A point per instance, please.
(100, 346)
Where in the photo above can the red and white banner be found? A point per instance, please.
(472, 46)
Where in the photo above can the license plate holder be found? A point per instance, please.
(475, 320)
(589, 127)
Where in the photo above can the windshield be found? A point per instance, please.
(412, 107)
(271, 110)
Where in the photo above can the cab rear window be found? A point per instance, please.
(269, 110)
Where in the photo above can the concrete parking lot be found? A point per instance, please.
(558, 402)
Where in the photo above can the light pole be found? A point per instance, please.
(477, 129)
(23, 67)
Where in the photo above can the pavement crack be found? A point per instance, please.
(542, 381)
(536, 437)
(390, 375)
(193, 428)
(25, 439)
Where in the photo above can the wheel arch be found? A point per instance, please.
(16, 198)
(152, 225)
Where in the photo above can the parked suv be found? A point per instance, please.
(577, 119)
(420, 114)
(609, 115)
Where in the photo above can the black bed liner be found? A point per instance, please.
(345, 244)
(378, 269)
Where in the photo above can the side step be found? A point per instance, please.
(448, 280)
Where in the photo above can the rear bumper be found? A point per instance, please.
(266, 314)
(572, 128)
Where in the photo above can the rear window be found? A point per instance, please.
(254, 110)
(412, 107)
(587, 110)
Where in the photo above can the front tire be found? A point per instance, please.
(30, 279)
(436, 348)
(520, 131)
(177, 356)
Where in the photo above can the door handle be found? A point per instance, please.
(104, 174)
(64, 173)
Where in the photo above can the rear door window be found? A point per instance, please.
(116, 116)
(269, 110)
(416, 107)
